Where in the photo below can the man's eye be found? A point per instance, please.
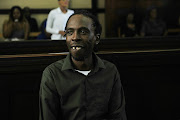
(83, 32)
(69, 32)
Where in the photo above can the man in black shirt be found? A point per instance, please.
(32, 21)
(82, 86)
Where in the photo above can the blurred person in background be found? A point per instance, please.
(57, 19)
(16, 27)
(152, 25)
(32, 21)
(129, 28)
(43, 34)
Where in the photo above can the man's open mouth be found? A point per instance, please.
(76, 47)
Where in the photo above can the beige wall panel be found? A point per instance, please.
(101, 18)
(80, 3)
(101, 3)
(6, 4)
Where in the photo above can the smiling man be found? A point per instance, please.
(82, 86)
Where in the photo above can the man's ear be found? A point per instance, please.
(98, 38)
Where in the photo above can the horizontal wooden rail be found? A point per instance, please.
(174, 30)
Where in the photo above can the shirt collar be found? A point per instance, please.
(59, 10)
(68, 63)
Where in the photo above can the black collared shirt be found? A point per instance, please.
(66, 94)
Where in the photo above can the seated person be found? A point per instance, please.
(152, 26)
(17, 26)
(32, 21)
(129, 28)
(44, 34)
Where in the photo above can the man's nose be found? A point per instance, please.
(76, 36)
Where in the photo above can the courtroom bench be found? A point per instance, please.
(149, 70)
(150, 79)
(106, 44)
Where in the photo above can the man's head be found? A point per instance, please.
(63, 3)
(83, 32)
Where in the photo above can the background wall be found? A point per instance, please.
(49, 4)
(6, 4)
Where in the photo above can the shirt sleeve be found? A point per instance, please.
(49, 25)
(117, 101)
(49, 100)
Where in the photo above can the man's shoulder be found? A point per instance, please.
(70, 11)
(56, 65)
(55, 10)
(108, 64)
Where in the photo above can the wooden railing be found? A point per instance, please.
(170, 30)
(110, 44)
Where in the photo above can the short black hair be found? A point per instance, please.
(12, 10)
(96, 23)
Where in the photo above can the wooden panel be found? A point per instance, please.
(149, 69)
(108, 44)
(150, 80)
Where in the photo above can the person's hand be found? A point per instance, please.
(62, 33)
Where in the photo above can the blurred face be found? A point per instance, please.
(64, 3)
(26, 12)
(153, 13)
(130, 17)
(16, 13)
(80, 37)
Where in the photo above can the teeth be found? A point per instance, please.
(76, 48)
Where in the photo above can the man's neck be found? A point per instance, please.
(84, 65)
(63, 9)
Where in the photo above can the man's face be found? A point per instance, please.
(80, 37)
(64, 3)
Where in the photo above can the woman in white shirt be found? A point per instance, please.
(57, 19)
